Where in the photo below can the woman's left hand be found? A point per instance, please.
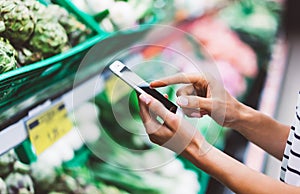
(175, 133)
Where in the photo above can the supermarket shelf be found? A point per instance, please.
(63, 89)
(255, 156)
(287, 99)
(12, 136)
(238, 146)
(16, 133)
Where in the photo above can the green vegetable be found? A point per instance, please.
(65, 183)
(49, 38)
(127, 180)
(142, 9)
(3, 189)
(26, 56)
(91, 189)
(36, 7)
(7, 56)
(21, 167)
(111, 190)
(18, 21)
(43, 175)
(19, 184)
(76, 31)
(36, 32)
(257, 18)
(7, 161)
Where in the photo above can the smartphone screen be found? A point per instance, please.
(167, 103)
(139, 84)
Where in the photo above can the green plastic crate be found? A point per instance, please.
(89, 20)
(43, 79)
(92, 19)
(23, 83)
(30, 81)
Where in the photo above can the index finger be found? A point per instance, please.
(180, 78)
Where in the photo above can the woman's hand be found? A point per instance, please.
(174, 133)
(178, 135)
(204, 95)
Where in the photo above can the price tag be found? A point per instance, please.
(45, 129)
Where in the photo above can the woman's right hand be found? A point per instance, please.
(204, 95)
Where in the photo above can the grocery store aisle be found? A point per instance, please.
(284, 113)
(236, 144)
(287, 99)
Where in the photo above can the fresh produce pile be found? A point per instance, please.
(42, 177)
(69, 167)
(259, 19)
(118, 166)
(159, 180)
(113, 15)
(8, 56)
(239, 38)
(256, 23)
(31, 31)
(14, 175)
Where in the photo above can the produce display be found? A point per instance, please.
(36, 32)
(256, 18)
(42, 177)
(18, 21)
(114, 15)
(158, 180)
(256, 23)
(238, 38)
(14, 176)
(56, 172)
(8, 56)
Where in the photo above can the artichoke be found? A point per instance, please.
(43, 175)
(21, 167)
(7, 59)
(2, 187)
(49, 38)
(75, 30)
(36, 7)
(18, 21)
(7, 161)
(66, 184)
(26, 56)
(55, 13)
(19, 184)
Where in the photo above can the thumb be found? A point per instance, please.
(194, 102)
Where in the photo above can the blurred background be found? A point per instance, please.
(67, 125)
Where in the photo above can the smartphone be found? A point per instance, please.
(140, 85)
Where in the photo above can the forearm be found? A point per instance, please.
(237, 176)
(262, 130)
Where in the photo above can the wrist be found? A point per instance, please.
(197, 148)
(247, 116)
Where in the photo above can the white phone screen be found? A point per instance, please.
(138, 83)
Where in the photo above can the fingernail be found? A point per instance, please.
(151, 84)
(183, 101)
(196, 114)
(145, 98)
